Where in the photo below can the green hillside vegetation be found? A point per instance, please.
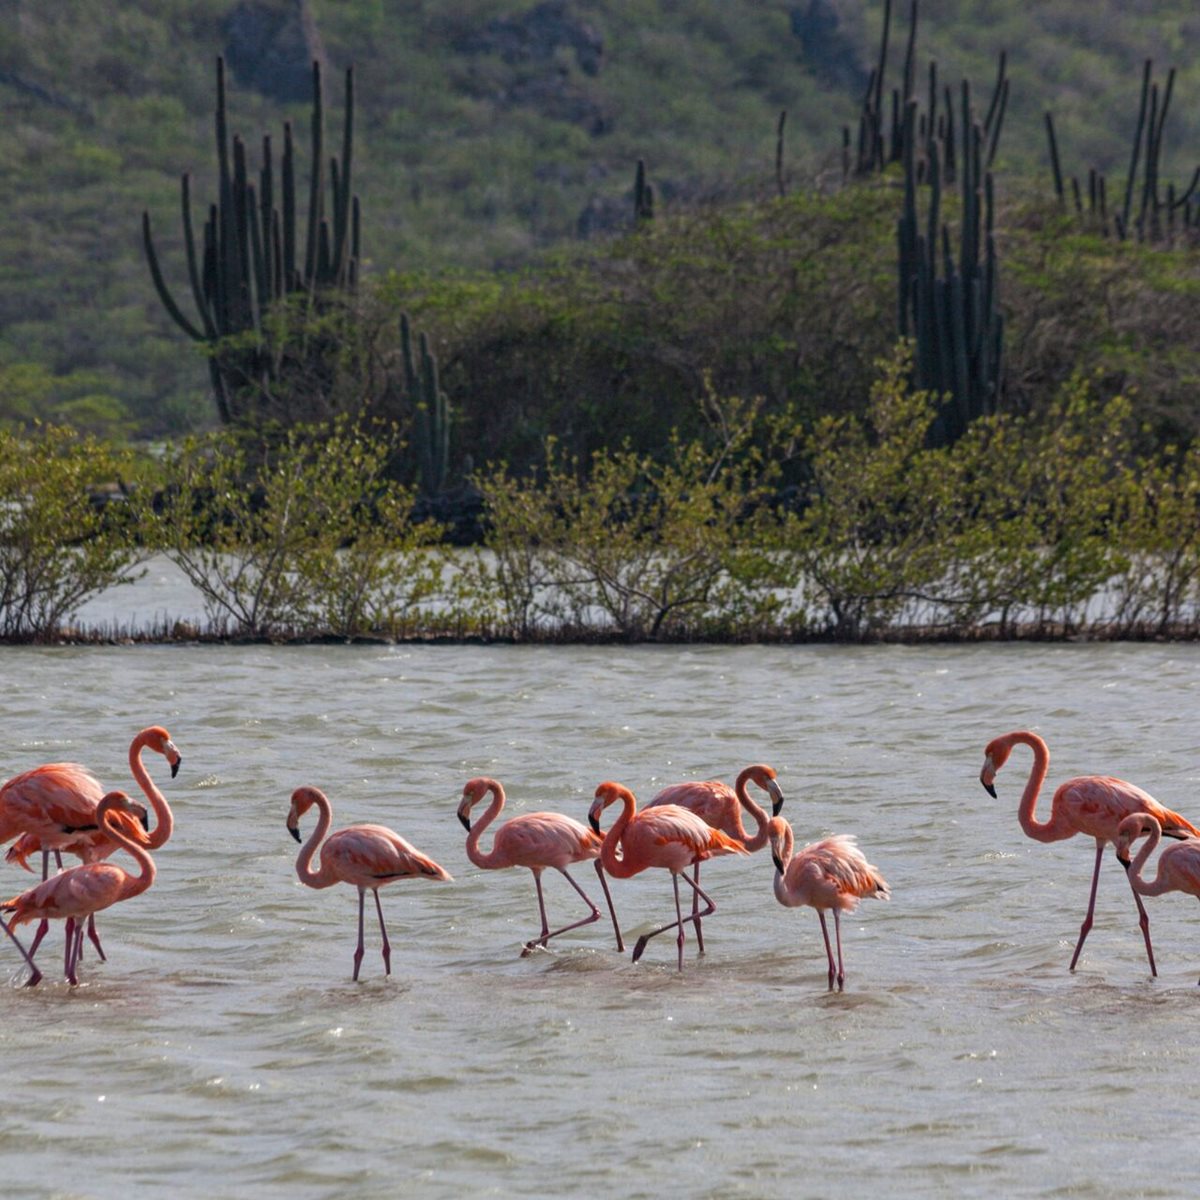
(476, 152)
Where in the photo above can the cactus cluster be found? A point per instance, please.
(1146, 212)
(950, 306)
(431, 408)
(252, 254)
(885, 134)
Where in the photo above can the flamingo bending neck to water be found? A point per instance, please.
(1094, 805)
(720, 806)
(85, 890)
(830, 874)
(667, 836)
(535, 840)
(367, 857)
(1178, 865)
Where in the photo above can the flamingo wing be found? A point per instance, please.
(1099, 803)
(546, 839)
(52, 801)
(711, 800)
(77, 892)
(372, 855)
(834, 873)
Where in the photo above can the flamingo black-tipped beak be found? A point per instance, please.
(594, 822)
(175, 767)
(777, 861)
(776, 799)
(1125, 862)
(990, 789)
(294, 832)
(466, 821)
(144, 817)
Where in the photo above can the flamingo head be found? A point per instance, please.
(119, 804)
(994, 757)
(303, 798)
(159, 740)
(606, 794)
(1134, 826)
(764, 777)
(474, 790)
(780, 834)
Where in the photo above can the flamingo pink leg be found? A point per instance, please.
(358, 953)
(696, 909)
(1086, 927)
(837, 928)
(69, 953)
(711, 908)
(828, 947)
(94, 937)
(387, 946)
(547, 933)
(34, 978)
(1144, 925)
(611, 911)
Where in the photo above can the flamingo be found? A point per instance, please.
(84, 890)
(721, 807)
(830, 874)
(52, 807)
(1090, 804)
(535, 840)
(365, 856)
(667, 836)
(1178, 865)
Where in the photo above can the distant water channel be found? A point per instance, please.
(224, 1051)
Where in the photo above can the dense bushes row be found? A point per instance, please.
(1048, 524)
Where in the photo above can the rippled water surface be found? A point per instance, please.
(224, 1051)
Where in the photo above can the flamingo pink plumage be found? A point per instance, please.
(1094, 805)
(85, 890)
(364, 856)
(830, 874)
(666, 836)
(1178, 865)
(720, 806)
(53, 807)
(534, 840)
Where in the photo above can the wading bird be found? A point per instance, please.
(365, 856)
(53, 808)
(83, 891)
(535, 840)
(1178, 865)
(830, 874)
(1094, 805)
(667, 836)
(720, 806)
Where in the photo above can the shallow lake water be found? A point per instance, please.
(224, 1051)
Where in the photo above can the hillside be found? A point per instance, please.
(488, 130)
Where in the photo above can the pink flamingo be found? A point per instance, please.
(83, 891)
(535, 840)
(667, 836)
(1178, 865)
(53, 807)
(720, 806)
(830, 874)
(365, 856)
(1093, 805)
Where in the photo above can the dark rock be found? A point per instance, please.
(271, 46)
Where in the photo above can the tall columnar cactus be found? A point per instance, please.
(951, 308)
(884, 131)
(1145, 213)
(253, 253)
(643, 194)
(431, 427)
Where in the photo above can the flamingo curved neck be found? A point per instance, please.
(134, 884)
(304, 871)
(781, 865)
(619, 868)
(164, 820)
(1157, 885)
(1054, 829)
(759, 840)
(474, 853)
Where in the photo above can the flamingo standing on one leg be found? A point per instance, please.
(1178, 865)
(830, 874)
(53, 807)
(1090, 804)
(83, 891)
(667, 836)
(535, 840)
(721, 807)
(365, 856)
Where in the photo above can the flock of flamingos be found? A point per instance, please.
(61, 807)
